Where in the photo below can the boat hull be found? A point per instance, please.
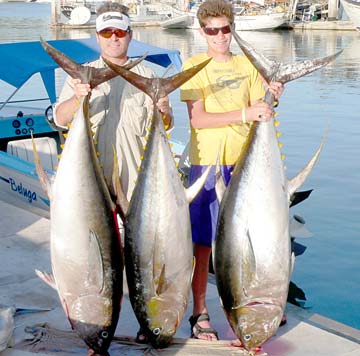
(352, 9)
(20, 186)
(260, 22)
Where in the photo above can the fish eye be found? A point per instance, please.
(104, 334)
(247, 337)
(156, 331)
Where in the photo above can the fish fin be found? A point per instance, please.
(220, 186)
(292, 262)
(297, 249)
(164, 86)
(95, 263)
(298, 197)
(91, 75)
(121, 199)
(24, 311)
(48, 278)
(195, 188)
(161, 285)
(296, 182)
(249, 272)
(193, 267)
(43, 177)
(297, 227)
(273, 71)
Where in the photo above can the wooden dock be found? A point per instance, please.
(336, 25)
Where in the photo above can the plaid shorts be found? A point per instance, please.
(204, 209)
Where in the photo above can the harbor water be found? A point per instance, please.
(325, 104)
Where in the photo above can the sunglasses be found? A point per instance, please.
(108, 32)
(213, 31)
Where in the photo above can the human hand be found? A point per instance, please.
(259, 111)
(80, 89)
(164, 106)
(276, 89)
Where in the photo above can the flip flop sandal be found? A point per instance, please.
(200, 330)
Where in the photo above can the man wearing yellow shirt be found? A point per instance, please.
(222, 100)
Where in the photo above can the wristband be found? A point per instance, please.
(243, 116)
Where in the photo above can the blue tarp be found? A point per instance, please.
(19, 61)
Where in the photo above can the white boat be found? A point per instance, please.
(78, 12)
(180, 21)
(260, 22)
(19, 184)
(82, 12)
(181, 15)
(352, 9)
(260, 17)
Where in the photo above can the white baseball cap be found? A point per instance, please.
(112, 19)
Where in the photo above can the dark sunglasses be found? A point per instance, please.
(213, 31)
(108, 32)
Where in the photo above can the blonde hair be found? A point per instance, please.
(215, 8)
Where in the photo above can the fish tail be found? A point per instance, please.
(274, 71)
(90, 75)
(157, 87)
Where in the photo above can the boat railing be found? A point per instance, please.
(6, 102)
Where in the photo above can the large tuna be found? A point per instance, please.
(158, 244)
(252, 255)
(86, 257)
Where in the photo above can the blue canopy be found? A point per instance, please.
(19, 61)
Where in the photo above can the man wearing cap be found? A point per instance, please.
(119, 112)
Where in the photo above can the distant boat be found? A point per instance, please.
(180, 21)
(79, 12)
(181, 15)
(83, 12)
(260, 16)
(258, 22)
(352, 9)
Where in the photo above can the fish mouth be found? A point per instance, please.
(255, 303)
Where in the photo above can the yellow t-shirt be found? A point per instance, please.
(223, 87)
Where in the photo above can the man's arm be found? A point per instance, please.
(65, 111)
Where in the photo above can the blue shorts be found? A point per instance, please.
(204, 209)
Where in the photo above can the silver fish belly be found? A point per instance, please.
(86, 254)
(158, 245)
(252, 248)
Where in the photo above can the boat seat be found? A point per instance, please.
(45, 146)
